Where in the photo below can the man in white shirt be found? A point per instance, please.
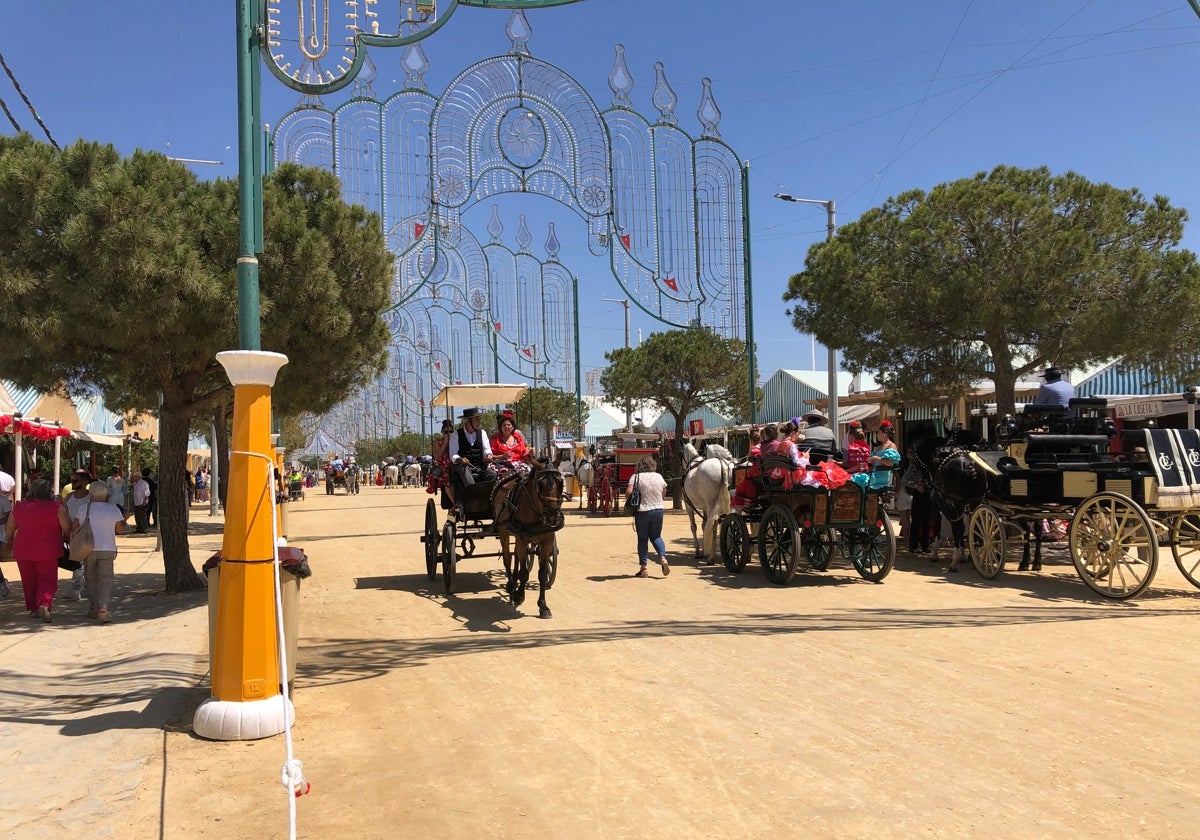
(470, 452)
(7, 484)
(141, 502)
(5, 509)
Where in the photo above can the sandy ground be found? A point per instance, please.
(703, 705)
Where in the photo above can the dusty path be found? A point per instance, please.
(700, 705)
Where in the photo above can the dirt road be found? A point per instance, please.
(700, 705)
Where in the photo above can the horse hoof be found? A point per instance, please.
(544, 612)
(518, 597)
(1023, 567)
(1037, 567)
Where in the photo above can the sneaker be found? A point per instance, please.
(642, 572)
(103, 617)
(93, 613)
(73, 594)
(44, 615)
(4, 590)
(666, 568)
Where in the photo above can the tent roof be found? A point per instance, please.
(467, 395)
(321, 445)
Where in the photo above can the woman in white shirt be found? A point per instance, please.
(107, 521)
(649, 519)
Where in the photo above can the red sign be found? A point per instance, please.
(695, 428)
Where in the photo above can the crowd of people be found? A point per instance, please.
(38, 531)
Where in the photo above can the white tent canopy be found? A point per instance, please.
(320, 446)
(468, 395)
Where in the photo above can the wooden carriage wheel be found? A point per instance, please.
(449, 556)
(734, 540)
(872, 548)
(1113, 545)
(592, 496)
(819, 545)
(1185, 546)
(778, 544)
(987, 541)
(431, 539)
(606, 496)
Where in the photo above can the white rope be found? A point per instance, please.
(292, 775)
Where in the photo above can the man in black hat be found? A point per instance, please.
(1054, 391)
(470, 452)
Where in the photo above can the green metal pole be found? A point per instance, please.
(578, 364)
(750, 364)
(249, 337)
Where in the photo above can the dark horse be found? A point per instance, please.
(960, 485)
(528, 506)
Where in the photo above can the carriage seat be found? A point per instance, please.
(769, 463)
(477, 499)
(1065, 451)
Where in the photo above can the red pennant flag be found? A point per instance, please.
(497, 326)
(457, 381)
(418, 229)
(422, 402)
(670, 281)
(625, 239)
(527, 352)
(437, 365)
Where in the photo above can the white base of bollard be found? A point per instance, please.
(229, 720)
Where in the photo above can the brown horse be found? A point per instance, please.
(528, 506)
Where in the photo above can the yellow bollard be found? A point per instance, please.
(246, 702)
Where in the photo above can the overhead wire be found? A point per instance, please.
(28, 104)
(8, 114)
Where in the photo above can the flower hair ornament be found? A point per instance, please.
(507, 414)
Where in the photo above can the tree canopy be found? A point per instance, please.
(681, 371)
(119, 276)
(1000, 275)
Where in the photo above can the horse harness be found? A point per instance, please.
(550, 517)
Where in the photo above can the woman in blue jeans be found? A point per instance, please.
(649, 519)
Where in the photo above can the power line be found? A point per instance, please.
(28, 104)
(8, 114)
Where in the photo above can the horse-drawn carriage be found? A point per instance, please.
(341, 475)
(525, 506)
(612, 465)
(1057, 464)
(788, 525)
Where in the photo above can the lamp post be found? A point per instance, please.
(628, 402)
(831, 211)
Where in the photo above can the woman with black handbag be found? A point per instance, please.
(650, 487)
(37, 542)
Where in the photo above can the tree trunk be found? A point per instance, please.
(173, 502)
(1006, 384)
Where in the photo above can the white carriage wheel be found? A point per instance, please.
(987, 541)
(1113, 545)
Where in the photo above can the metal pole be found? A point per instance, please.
(578, 368)
(248, 177)
(831, 209)
(628, 402)
(751, 363)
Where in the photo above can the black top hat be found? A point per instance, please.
(469, 412)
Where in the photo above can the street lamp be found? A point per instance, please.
(831, 211)
(628, 403)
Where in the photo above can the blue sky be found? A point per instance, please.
(853, 101)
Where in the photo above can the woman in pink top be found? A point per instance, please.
(37, 541)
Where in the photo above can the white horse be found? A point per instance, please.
(706, 489)
(585, 475)
(412, 475)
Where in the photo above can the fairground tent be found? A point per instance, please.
(322, 445)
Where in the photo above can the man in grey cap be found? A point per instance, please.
(816, 433)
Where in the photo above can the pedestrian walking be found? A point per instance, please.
(37, 541)
(116, 489)
(5, 509)
(74, 502)
(107, 521)
(649, 519)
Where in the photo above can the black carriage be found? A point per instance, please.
(1058, 464)
(812, 525)
(343, 478)
(469, 520)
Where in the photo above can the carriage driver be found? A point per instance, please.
(470, 452)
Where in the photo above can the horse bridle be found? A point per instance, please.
(549, 516)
